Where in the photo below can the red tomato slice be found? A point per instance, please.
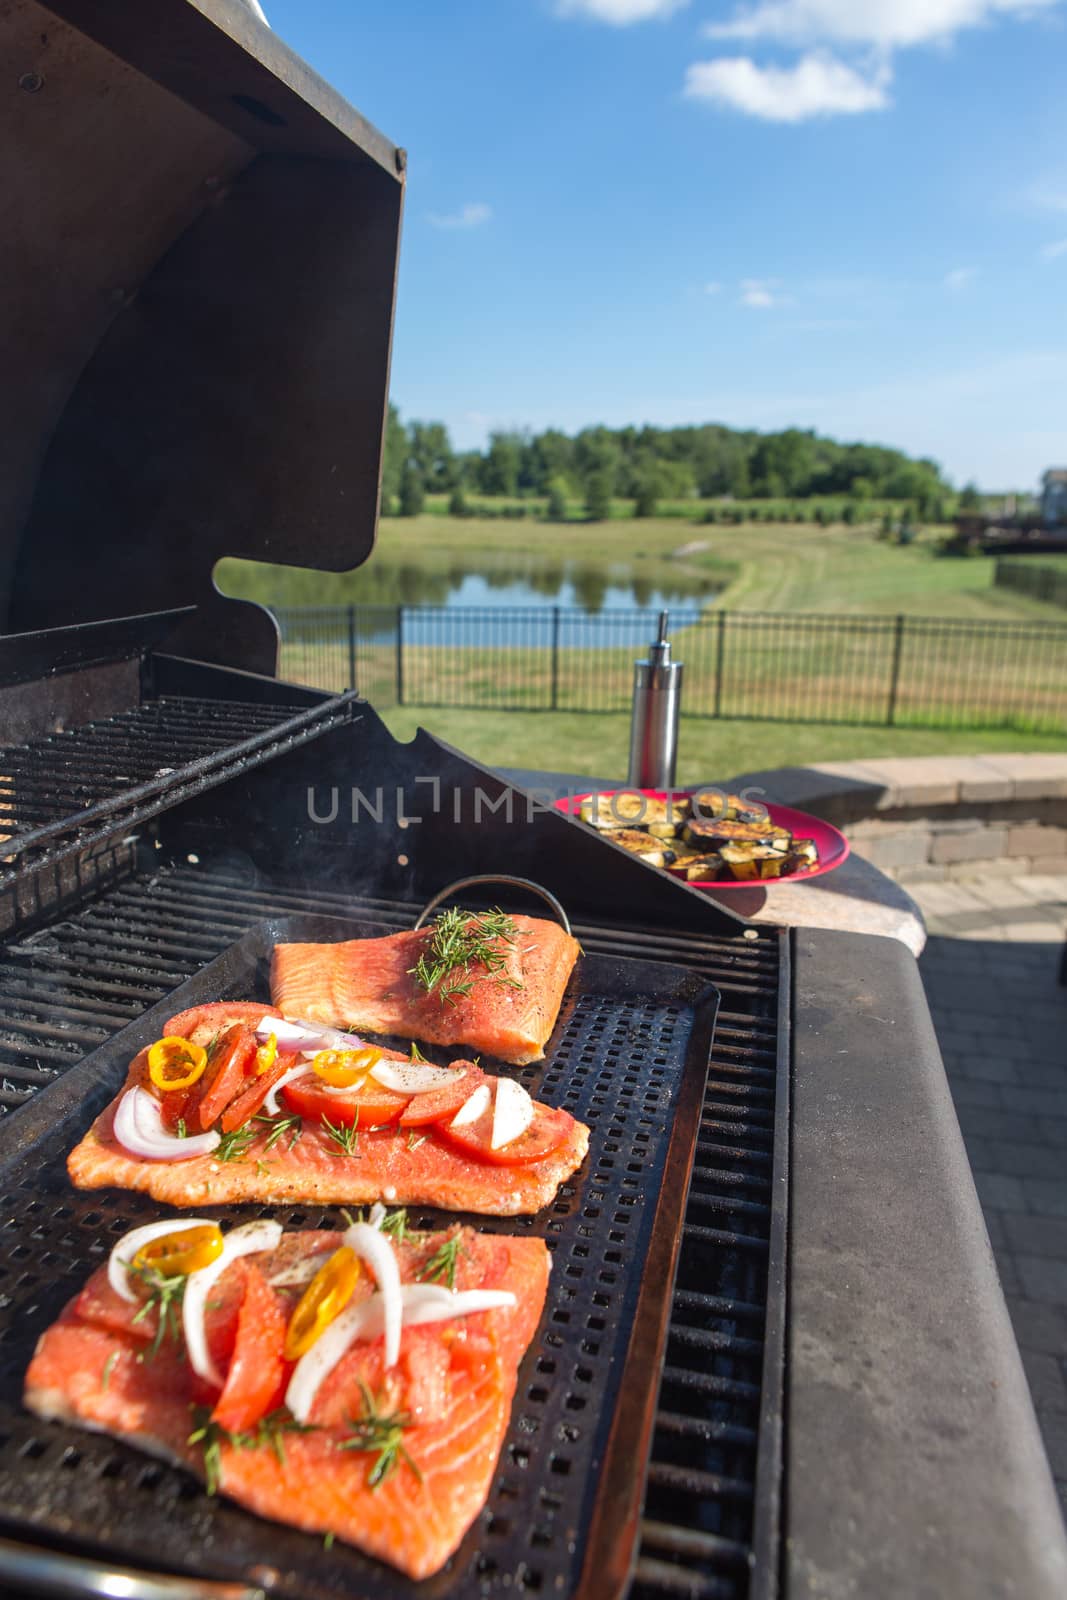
(256, 1381)
(217, 1016)
(228, 1065)
(548, 1130)
(250, 1099)
(375, 1106)
(437, 1104)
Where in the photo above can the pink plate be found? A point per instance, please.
(831, 844)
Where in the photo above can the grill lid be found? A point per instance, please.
(198, 240)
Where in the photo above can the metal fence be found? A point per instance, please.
(915, 671)
(1028, 576)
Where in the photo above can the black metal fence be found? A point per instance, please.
(1048, 583)
(916, 671)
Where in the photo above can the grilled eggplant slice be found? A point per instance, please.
(629, 808)
(803, 855)
(702, 869)
(665, 830)
(714, 806)
(752, 861)
(706, 834)
(641, 844)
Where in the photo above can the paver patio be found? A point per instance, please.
(990, 970)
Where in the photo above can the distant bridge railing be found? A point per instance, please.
(879, 670)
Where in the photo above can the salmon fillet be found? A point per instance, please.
(454, 1381)
(368, 985)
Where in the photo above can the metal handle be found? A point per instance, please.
(496, 877)
(26, 1569)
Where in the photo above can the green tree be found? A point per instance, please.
(394, 454)
(598, 495)
(500, 467)
(970, 499)
(457, 502)
(412, 492)
(646, 494)
(557, 501)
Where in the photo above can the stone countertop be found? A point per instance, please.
(856, 898)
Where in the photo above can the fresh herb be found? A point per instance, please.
(396, 1223)
(327, 1539)
(344, 1137)
(414, 1140)
(461, 942)
(279, 1127)
(269, 1433)
(382, 1436)
(349, 1218)
(234, 1146)
(262, 1168)
(181, 1128)
(415, 1054)
(109, 1367)
(442, 1264)
(164, 1296)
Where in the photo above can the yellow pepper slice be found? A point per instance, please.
(267, 1055)
(176, 1063)
(176, 1254)
(323, 1300)
(345, 1069)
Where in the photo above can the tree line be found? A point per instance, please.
(648, 465)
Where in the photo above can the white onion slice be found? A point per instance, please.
(293, 1034)
(118, 1265)
(377, 1251)
(413, 1077)
(270, 1104)
(421, 1303)
(475, 1106)
(247, 1240)
(512, 1113)
(138, 1127)
(377, 1215)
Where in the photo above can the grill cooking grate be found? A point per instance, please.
(77, 789)
(711, 1504)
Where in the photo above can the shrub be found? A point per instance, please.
(598, 496)
(457, 503)
(412, 493)
(557, 501)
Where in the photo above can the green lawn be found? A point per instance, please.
(599, 744)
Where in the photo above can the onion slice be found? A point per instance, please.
(249, 1239)
(413, 1077)
(138, 1127)
(377, 1251)
(118, 1265)
(475, 1106)
(293, 1034)
(512, 1113)
(270, 1104)
(420, 1303)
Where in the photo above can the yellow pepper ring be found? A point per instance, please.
(175, 1063)
(345, 1069)
(323, 1300)
(175, 1255)
(267, 1055)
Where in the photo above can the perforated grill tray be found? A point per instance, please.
(629, 1057)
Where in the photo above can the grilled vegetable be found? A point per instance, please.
(628, 806)
(747, 860)
(665, 830)
(714, 806)
(704, 834)
(702, 869)
(803, 855)
(641, 844)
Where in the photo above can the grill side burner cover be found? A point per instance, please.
(199, 243)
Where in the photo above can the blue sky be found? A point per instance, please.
(842, 214)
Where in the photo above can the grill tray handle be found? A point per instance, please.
(25, 1569)
(495, 877)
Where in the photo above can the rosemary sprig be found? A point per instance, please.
(279, 1127)
(109, 1367)
(382, 1436)
(234, 1145)
(269, 1433)
(165, 1297)
(344, 1137)
(181, 1128)
(442, 1264)
(396, 1223)
(414, 1140)
(415, 1054)
(461, 942)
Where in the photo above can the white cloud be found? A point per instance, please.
(761, 294)
(818, 86)
(1052, 252)
(887, 24)
(620, 13)
(712, 288)
(959, 278)
(472, 215)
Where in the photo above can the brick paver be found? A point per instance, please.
(990, 970)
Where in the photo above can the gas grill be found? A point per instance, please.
(201, 371)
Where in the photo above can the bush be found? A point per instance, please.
(412, 493)
(822, 516)
(598, 496)
(645, 496)
(557, 501)
(457, 503)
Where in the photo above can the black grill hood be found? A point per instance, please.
(198, 246)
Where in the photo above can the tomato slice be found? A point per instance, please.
(219, 1014)
(548, 1130)
(256, 1381)
(243, 1107)
(374, 1106)
(438, 1104)
(229, 1063)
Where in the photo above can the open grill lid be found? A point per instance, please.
(198, 241)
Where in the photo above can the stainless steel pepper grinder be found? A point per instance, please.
(654, 728)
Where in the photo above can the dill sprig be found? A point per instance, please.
(382, 1436)
(345, 1137)
(279, 1127)
(268, 1433)
(461, 942)
(233, 1146)
(442, 1264)
(396, 1223)
(165, 1296)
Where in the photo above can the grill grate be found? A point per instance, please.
(77, 789)
(712, 1489)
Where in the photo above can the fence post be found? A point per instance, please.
(351, 647)
(720, 653)
(555, 658)
(400, 655)
(894, 681)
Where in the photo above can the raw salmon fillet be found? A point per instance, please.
(367, 985)
(454, 1380)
